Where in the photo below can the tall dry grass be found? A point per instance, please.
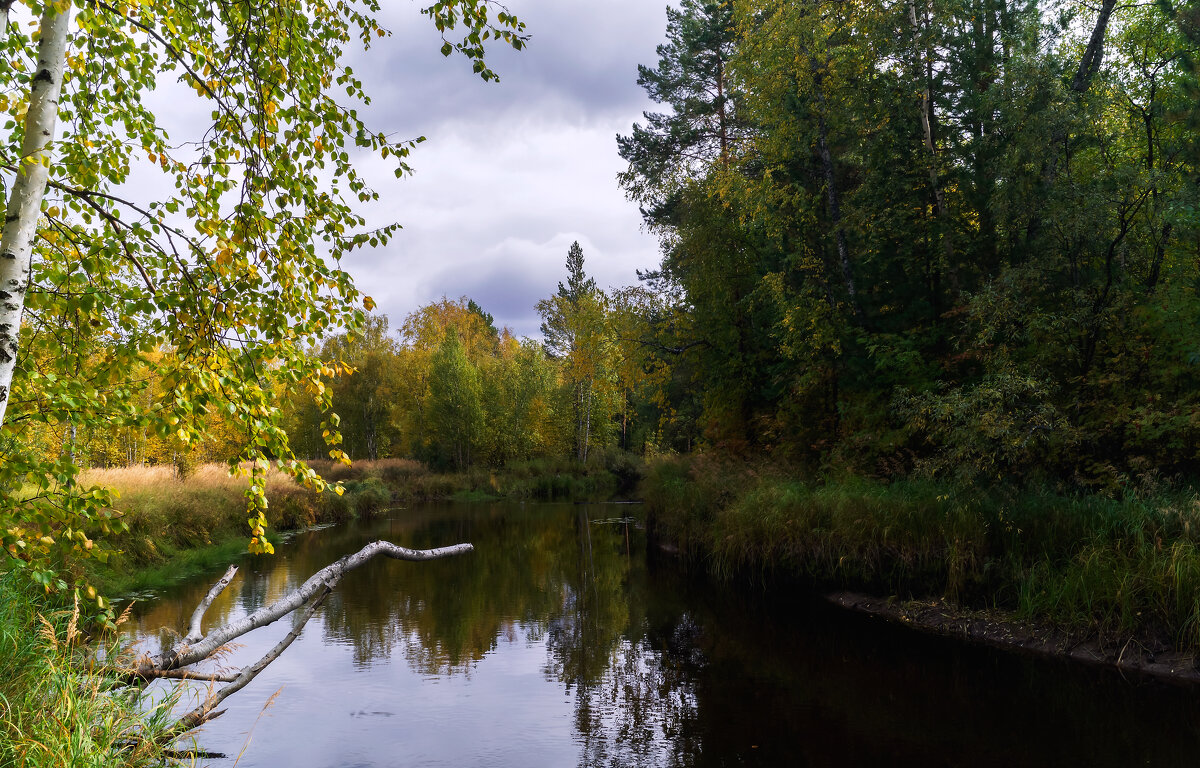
(180, 526)
(166, 513)
(190, 524)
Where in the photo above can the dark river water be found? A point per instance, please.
(560, 643)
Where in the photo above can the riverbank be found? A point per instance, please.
(177, 527)
(1119, 572)
(1006, 631)
(47, 692)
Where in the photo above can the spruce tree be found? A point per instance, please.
(556, 326)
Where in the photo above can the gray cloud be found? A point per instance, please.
(512, 172)
(580, 64)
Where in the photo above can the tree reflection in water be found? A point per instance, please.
(631, 701)
(657, 670)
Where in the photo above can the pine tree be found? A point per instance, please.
(556, 327)
(704, 124)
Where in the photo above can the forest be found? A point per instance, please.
(957, 240)
(953, 239)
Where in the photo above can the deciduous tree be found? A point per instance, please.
(234, 268)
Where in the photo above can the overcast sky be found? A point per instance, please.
(511, 172)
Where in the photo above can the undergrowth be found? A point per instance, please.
(1109, 566)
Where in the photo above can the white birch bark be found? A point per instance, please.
(191, 652)
(5, 7)
(25, 201)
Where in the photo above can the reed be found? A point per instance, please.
(56, 709)
(1109, 566)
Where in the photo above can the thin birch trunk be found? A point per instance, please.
(587, 429)
(5, 7)
(25, 201)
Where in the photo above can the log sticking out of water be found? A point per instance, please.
(196, 646)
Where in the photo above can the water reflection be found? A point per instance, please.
(558, 643)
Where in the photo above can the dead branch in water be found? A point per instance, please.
(196, 646)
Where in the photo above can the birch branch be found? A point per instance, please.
(194, 632)
(186, 654)
(134, 676)
(208, 710)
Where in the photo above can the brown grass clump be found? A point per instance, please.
(166, 513)
(391, 471)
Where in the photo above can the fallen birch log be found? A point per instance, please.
(196, 646)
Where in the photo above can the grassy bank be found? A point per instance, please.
(1113, 567)
(540, 479)
(178, 527)
(181, 526)
(54, 712)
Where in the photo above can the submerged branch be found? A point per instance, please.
(208, 710)
(196, 647)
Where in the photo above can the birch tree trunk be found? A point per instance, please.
(25, 201)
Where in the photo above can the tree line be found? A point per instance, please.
(451, 389)
(958, 238)
(951, 236)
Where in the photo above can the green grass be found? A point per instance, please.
(55, 710)
(176, 566)
(1108, 566)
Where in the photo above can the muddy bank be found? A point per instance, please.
(998, 630)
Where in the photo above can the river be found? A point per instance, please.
(558, 642)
